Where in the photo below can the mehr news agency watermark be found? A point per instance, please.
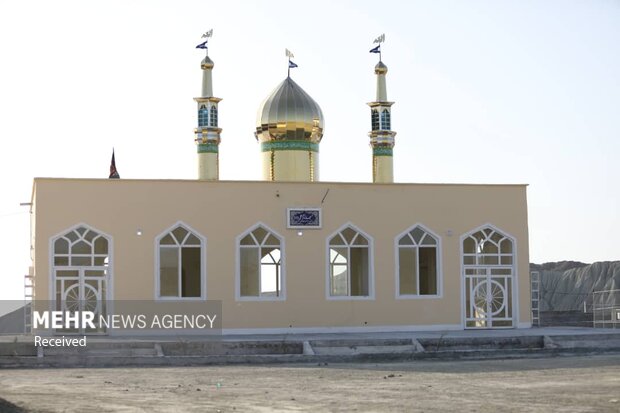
(91, 321)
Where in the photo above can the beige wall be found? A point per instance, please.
(222, 210)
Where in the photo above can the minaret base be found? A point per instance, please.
(208, 166)
(382, 169)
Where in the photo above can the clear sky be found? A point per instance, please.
(511, 91)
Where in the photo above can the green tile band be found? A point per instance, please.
(207, 148)
(382, 152)
(289, 146)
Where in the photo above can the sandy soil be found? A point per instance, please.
(568, 384)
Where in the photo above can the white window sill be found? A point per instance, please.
(258, 298)
(350, 298)
(180, 298)
(418, 297)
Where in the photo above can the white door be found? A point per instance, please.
(488, 300)
(82, 289)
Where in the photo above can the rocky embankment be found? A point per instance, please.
(566, 285)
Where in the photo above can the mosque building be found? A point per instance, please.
(289, 252)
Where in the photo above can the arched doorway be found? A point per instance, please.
(488, 270)
(81, 274)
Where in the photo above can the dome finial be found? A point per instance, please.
(204, 45)
(377, 49)
(291, 64)
(380, 68)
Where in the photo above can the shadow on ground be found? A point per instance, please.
(8, 407)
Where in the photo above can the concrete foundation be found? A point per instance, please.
(322, 348)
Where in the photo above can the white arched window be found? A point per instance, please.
(203, 116)
(81, 246)
(374, 119)
(260, 269)
(181, 266)
(418, 262)
(487, 247)
(385, 119)
(349, 265)
(213, 116)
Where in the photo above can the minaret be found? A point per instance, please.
(207, 132)
(381, 135)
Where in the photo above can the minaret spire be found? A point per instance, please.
(207, 133)
(381, 135)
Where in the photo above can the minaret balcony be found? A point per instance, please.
(207, 134)
(382, 138)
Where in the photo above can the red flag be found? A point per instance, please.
(113, 171)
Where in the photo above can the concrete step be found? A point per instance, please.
(609, 341)
(135, 352)
(82, 361)
(109, 349)
(481, 343)
(211, 348)
(361, 342)
(347, 347)
(177, 349)
(353, 350)
(17, 349)
(110, 352)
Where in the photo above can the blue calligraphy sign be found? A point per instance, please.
(304, 218)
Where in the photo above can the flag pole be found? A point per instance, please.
(289, 67)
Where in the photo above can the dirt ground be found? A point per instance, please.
(566, 384)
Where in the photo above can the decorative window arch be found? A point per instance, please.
(418, 262)
(180, 264)
(385, 119)
(260, 264)
(203, 116)
(374, 119)
(81, 246)
(488, 246)
(349, 264)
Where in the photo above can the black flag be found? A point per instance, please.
(113, 171)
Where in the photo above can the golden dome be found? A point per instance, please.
(381, 68)
(289, 114)
(206, 63)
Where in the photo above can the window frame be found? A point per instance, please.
(439, 258)
(371, 266)
(203, 116)
(213, 116)
(385, 119)
(203, 264)
(282, 270)
(375, 120)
